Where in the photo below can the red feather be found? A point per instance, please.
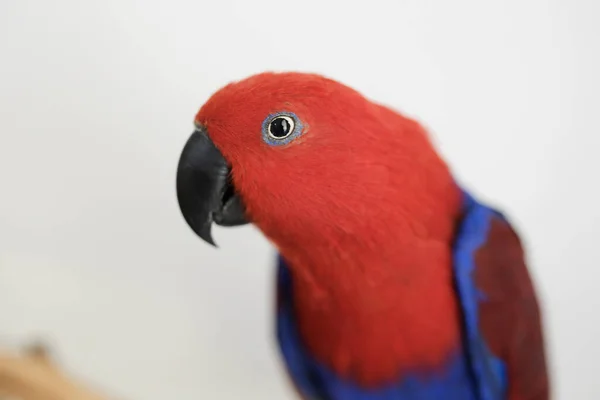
(510, 317)
(362, 208)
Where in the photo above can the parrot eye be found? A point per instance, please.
(281, 128)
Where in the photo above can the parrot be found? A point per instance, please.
(392, 279)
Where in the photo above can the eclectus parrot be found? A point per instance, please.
(393, 281)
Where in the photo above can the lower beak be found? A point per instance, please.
(204, 188)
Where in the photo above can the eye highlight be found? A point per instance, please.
(281, 128)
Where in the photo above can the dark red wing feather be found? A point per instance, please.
(510, 317)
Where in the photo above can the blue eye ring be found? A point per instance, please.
(296, 128)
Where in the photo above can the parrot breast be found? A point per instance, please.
(469, 370)
(451, 380)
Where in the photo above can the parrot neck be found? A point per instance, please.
(372, 312)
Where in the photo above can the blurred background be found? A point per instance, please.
(98, 98)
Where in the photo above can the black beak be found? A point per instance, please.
(204, 188)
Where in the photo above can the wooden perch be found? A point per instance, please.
(33, 376)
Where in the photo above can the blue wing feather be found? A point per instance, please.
(489, 371)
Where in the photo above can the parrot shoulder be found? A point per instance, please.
(502, 318)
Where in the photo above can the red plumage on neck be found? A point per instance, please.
(372, 316)
(363, 210)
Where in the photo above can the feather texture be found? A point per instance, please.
(501, 356)
(396, 284)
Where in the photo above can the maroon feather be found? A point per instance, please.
(510, 317)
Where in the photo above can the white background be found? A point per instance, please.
(97, 100)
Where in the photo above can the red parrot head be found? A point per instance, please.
(303, 156)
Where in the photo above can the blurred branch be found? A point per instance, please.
(34, 376)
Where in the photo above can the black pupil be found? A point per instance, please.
(280, 127)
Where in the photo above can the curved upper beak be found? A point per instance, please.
(204, 188)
